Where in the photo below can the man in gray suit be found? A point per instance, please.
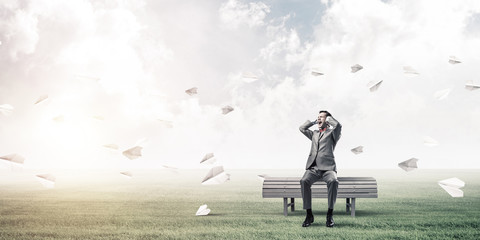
(321, 163)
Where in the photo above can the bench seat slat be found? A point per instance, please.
(320, 182)
(288, 179)
(321, 186)
(277, 190)
(339, 195)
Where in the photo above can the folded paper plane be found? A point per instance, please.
(14, 158)
(262, 176)
(41, 99)
(47, 180)
(452, 186)
(374, 85)
(430, 142)
(249, 77)
(208, 158)
(442, 94)
(215, 175)
(6, 109)
(356, 68)
(469, 85)
(59, 118)
(203, 210)
(316, 72)
(169, 167)
(191, 91)
(127, 174)
(227, 109)
(98, 117)
(133, 153)
(111, 146)
(409, 165)
(453, 60)
(409, 70)
(357, 150)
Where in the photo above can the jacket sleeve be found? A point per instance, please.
(336, 126)
(304, 129)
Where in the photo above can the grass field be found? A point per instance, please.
(161, 204)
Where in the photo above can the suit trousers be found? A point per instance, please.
(313, 175)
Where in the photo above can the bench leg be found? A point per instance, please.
(353, 207)
(285, 206)
(292, 204)
(348, 204)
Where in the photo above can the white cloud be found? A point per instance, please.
(235, 13)
(18, 29)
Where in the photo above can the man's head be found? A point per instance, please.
(322, 118)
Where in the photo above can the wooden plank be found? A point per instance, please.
(321, 183)
(339, 195)
(320, 191)
(298, 178)
(320, 186)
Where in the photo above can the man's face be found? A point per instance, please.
(322, 117)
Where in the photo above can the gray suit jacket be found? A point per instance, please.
(323, 144)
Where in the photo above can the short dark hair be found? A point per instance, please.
(326, 112)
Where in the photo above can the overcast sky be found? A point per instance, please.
(114, 69)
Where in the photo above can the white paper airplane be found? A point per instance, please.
(316, 72)
(409, 70)
(41, 99)
(469, 85)
(6, 109)
(442, 94)
(249, 77)
(453, 60)
(357, 150)
(127, 174)
(452, 186)
(133, 153)
(216, 175)
(374, 85)
(208, 158)
(262, 176)
(430, 142)
(169, 167)
(202, 210)
(191, 91)
(14, 158)
(98, 117)
(227, 109)
(111, 146)
(58, 118)
(409, 165)
(47, 180)
(356, 68)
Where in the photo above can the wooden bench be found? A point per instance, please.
(348, 187)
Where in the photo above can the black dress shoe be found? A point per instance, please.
(330, 222)
(308, 221)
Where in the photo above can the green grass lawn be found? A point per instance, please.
(161, 204)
